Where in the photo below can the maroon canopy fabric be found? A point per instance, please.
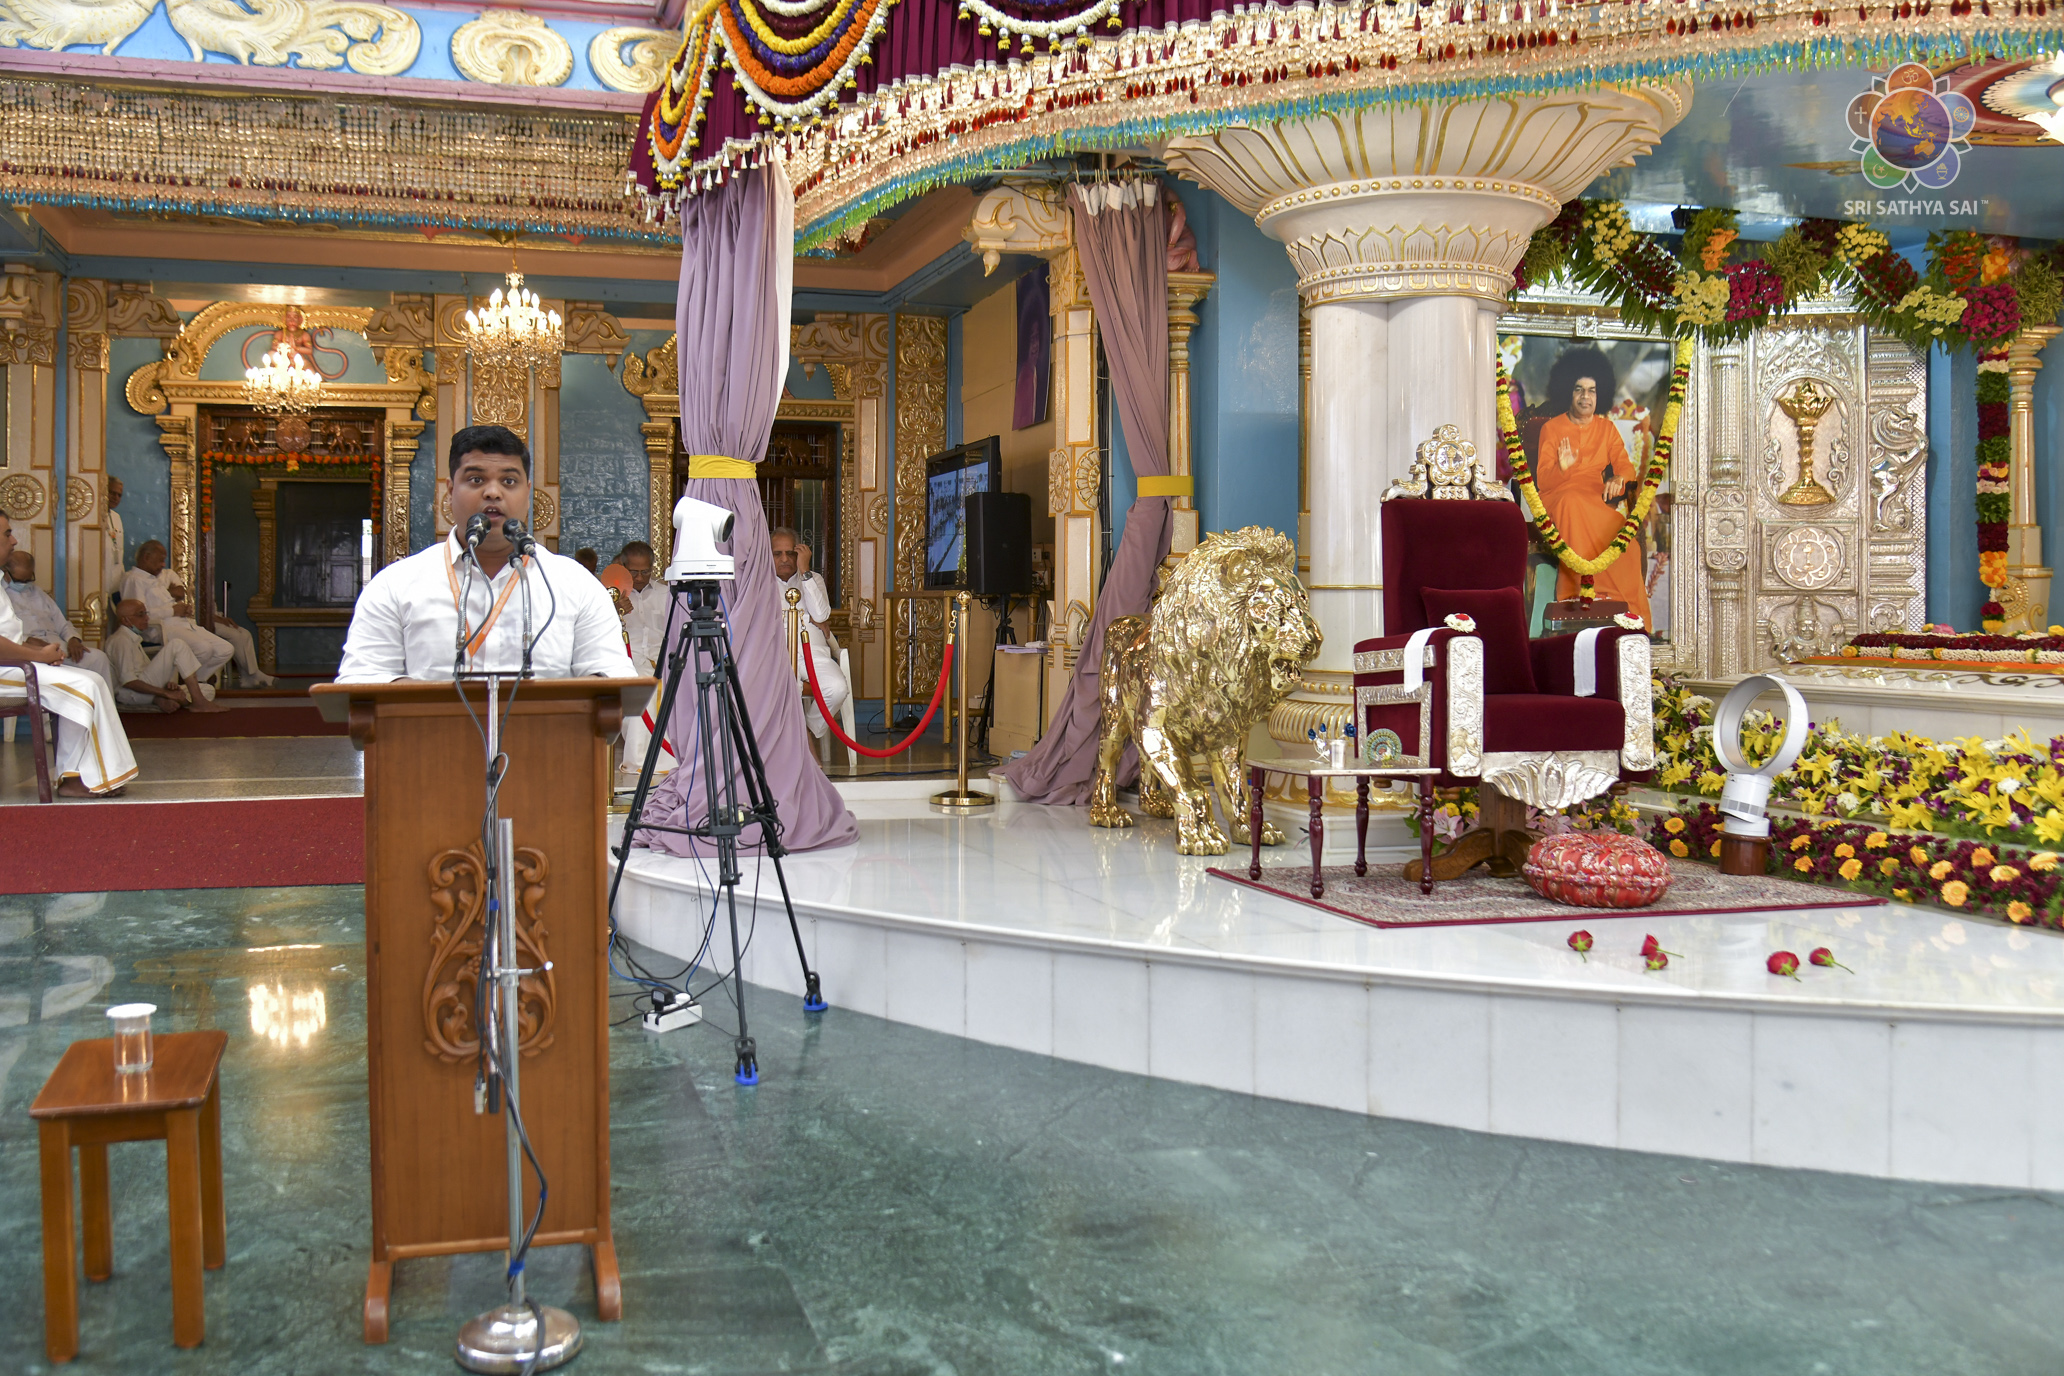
(731, 318)
(1124, 252)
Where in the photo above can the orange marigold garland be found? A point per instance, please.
(1587, 568)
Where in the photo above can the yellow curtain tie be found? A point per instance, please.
(720, 466)
(1167, 485)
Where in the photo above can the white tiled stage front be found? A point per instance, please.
(1941, 1058)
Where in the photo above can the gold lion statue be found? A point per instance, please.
(1224, 643)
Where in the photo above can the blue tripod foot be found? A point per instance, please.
(813, 995)
(748, 1071)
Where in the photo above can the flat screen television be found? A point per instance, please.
(949, 477)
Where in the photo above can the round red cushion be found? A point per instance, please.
(1597, 869)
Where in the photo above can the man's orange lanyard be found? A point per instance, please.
(479, 638)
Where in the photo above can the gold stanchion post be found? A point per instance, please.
(961, 799)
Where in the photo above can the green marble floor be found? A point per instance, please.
(891, 1201)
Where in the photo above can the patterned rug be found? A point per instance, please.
(1384, 898)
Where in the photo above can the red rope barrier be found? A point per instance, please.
(945, 672)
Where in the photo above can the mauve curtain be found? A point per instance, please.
(1124, 251)
(731, 318)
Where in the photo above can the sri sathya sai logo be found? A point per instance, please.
(1910, 129)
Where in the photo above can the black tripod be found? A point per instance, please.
(726, 749)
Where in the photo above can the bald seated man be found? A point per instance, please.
(93, 759)
(171, 610)
(45, 622)
(168, 683)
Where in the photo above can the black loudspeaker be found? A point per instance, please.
(999, 543)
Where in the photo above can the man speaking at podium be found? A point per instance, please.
(406, 624)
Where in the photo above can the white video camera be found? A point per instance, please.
(698, 526)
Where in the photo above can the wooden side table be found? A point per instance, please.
(1316, 775)
(86, 1104)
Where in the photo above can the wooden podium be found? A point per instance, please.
(439, 1169)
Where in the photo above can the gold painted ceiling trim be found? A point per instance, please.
(511, 48)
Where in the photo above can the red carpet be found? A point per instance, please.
(88, 847)
(242, 721)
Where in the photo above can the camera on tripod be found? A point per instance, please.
(698, 527)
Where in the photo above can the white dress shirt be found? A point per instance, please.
(116, 557)
(42, 619)
(154, 591)
(645, 625)
(406, 624)
(816, 608)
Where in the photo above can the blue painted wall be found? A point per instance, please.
(603, 474)
(1954, 593)
(814, 385)
(133, 454)
(1243, 372)
(228, 359)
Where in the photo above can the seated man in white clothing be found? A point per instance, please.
(92, 749)
(792, 567)
(406, 624)
(167, 683)
(171, 611)
(644, 609)
(45, 622)
(167, 604)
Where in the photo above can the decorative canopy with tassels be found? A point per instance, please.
(870, 102)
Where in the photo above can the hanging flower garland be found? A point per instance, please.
(212, 459)
(1995, 497)
(1976, 292)
(1585, 568)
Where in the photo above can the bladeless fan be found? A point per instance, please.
(1745, 835)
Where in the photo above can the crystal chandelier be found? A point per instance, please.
(513, 332)
(283, 384)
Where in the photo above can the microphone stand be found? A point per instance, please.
(519, 1335)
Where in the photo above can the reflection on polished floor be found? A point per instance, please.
(230, 767)
(891, 1201)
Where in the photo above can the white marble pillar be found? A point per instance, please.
(1404, 224)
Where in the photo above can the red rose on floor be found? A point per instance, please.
(1580, 942)
(1652, 948)
(1783, 963)
(1821, 955)
(1658, 958)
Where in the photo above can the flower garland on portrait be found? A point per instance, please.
(212, 459)
(1658, 469)
(1976, 292)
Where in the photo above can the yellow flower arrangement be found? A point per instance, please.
(1674, 825)
(1877, 840)
(1715, 851)
(1888, 866)
(1939, 871)
(1679, 849)
(1845, 851)
(2043, 861)
(1851, 868)
(1918, 855)
(1857, 244)
(2004, 874)
(1801, 842)
(1982, 857)
(1804, 864)
(2017, 911)
(1955, 892)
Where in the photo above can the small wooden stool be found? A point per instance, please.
(86, 1104)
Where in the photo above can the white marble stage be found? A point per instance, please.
(1937, 701)
(1941, 1058)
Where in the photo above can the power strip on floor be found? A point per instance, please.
(680, 1011)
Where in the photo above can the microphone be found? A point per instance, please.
(476, 531)
(519, 535)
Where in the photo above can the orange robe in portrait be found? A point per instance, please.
(1575, 498)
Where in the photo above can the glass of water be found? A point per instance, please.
(131, 1022)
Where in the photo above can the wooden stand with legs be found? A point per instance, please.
(439, 1169)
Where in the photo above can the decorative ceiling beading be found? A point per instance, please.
(630, 59)
(511, 48)
(861, 124)
(369, 163)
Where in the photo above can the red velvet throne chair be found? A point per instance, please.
(1548, 722)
